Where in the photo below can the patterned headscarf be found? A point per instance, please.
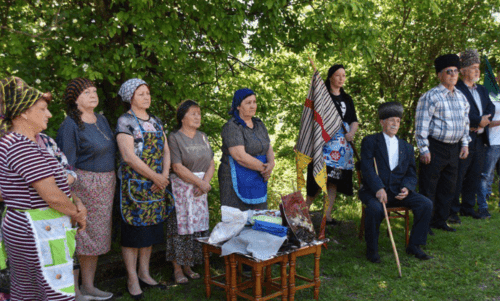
(15, 98)
(128, 88)
(238, 97)
(75, 88)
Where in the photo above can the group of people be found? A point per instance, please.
(458, 138)
(59, 194)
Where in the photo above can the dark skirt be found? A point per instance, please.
(339, 177)
(184, 249)
(141, 237)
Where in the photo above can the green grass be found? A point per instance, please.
(466, 265)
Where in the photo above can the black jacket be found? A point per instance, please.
(403, 175)
(474, 117)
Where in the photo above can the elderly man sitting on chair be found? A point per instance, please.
(393, 182)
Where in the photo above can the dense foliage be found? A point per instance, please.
(205, 50)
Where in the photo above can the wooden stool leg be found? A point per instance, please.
(291, 277)
(283, 281)
(233, 277)
(206, 255)
(407, 227)
(228, 277)
(362, 225)
(268, 279)
(317, 281)
(258, 283)
(240, 272)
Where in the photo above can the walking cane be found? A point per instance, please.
(389, 226)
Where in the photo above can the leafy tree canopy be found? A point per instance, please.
(205, 50)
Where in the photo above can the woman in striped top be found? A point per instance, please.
(35, 190)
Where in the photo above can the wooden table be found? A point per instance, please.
(235, 282)
(314, 248)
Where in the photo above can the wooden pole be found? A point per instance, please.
(389, 227)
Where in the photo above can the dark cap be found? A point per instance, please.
(390, 109)
(445, 61)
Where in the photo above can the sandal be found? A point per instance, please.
(179, 279)
(191, 274)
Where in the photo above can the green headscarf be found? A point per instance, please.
(15, 98)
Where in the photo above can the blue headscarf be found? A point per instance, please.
(238, 97)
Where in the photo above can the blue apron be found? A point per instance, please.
(248, 184)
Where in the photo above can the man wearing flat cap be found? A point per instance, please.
(481, 112)
(389, 176)
(442, 134)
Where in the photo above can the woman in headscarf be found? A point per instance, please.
(337, 153)
(247, 156)
(87, 141)
(193, 167)
(144, 175)
(36, 192)
(46, 142)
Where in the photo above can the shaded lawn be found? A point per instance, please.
(466, 265)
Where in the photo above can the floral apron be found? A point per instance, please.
(55, 244)
(140, 206)
(337, 152)
(191, 211)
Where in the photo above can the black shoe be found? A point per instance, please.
(454, 219)
(145, 285)
(415, 250)
(469, 212)
(445, 227)
(374, 258)
(430, 232)
(483, 213)
(135, 297)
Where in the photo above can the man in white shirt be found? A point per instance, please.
(492, 157)
(442, 134)
(392, 182)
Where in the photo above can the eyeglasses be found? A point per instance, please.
(451, 71)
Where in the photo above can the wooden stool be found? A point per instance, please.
(314, 282)
(258, 281)
(209, 280)
(398, 212)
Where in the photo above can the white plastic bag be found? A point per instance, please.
(233, 221)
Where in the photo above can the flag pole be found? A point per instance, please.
(322, 227)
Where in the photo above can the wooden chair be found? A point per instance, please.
(393, 212)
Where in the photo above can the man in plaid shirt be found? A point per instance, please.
(442, 134)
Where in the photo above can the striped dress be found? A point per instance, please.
(23, 162)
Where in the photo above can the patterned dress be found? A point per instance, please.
(23, 162)
(143, 211)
